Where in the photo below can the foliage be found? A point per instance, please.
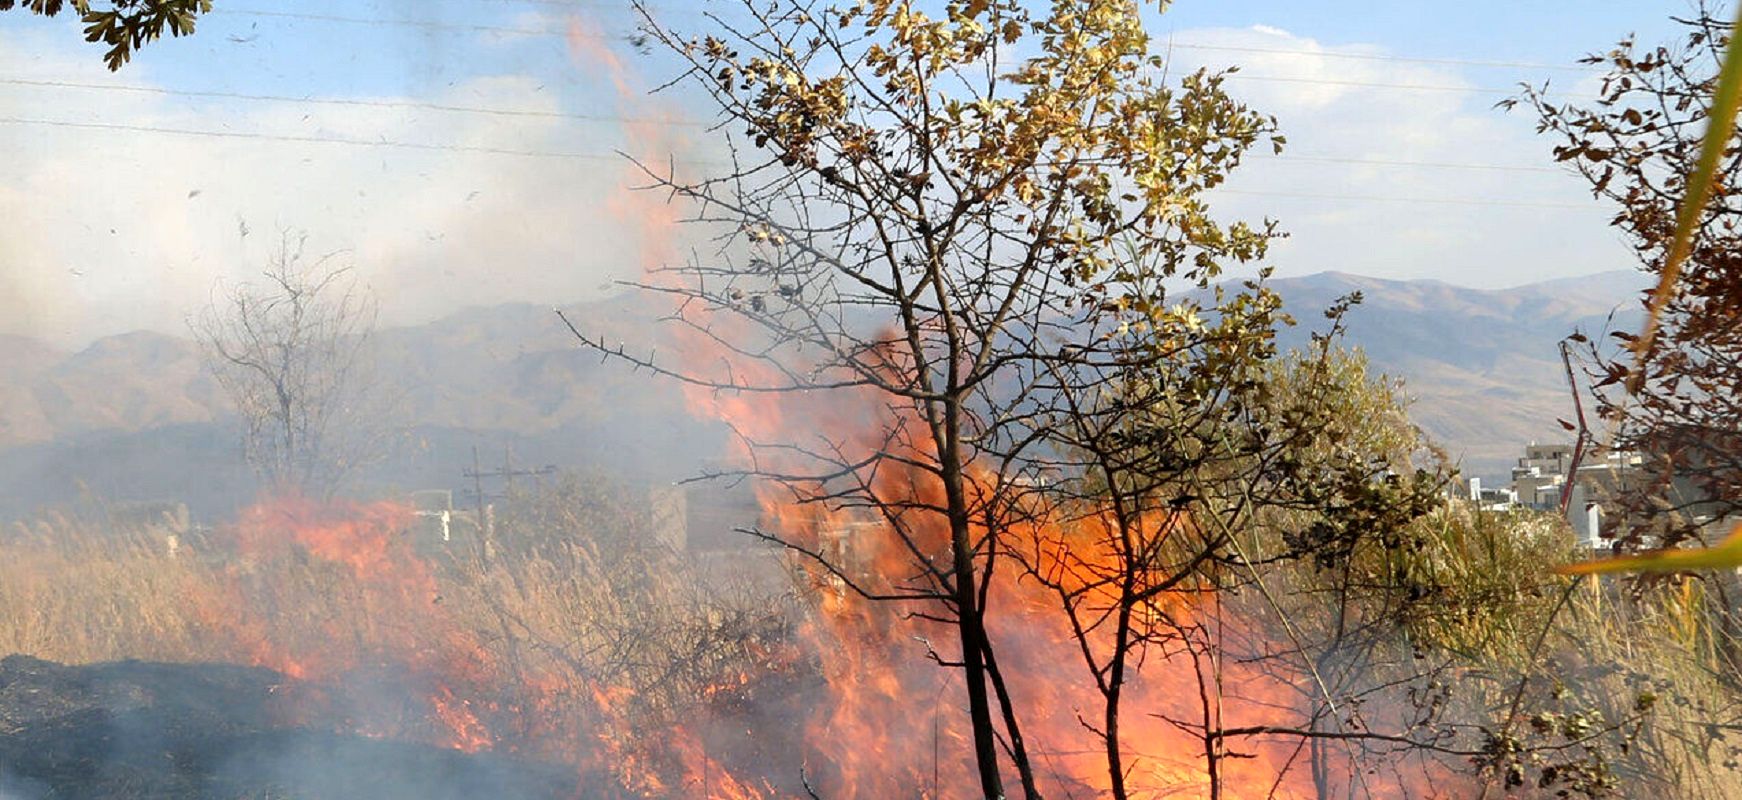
(1581, 688)
(1720, 129)
(941, 208)
(1465, 643)
(123, 25)
(1650, 145)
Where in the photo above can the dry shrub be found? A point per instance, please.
(1585, 688)
(575, 626)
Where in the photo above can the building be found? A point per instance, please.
(1546, 474)
(1487, 499)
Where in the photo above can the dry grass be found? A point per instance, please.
(74, 590)
(1628, 690)
(541, 644)
(1652, 663)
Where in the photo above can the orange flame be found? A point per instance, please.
(397, 627)
(891, 723)
(885, 721)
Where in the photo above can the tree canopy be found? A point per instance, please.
(122, 25)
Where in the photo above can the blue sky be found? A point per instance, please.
(249, 45)
(1521, 30)
(1397, 168)
(328, 56)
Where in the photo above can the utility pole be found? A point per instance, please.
(507, 473)
(478, 491)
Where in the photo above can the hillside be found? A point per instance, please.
(134, 417)
(1482, 367)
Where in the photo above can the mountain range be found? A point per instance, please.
(135, 417)
(1482, 367)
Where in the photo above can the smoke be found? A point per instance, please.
(128, 229)
(137, 729)
(16, 788)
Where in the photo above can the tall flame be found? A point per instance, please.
(882, 718)
(404, 630)
(891, 722)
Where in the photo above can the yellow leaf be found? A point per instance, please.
(1727, 554)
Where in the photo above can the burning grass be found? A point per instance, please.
(557, 653)
(642, 677)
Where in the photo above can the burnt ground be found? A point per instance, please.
(133, 729)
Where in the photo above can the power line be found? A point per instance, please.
(1439, 60)
(382, 143)
(472, 28)
(1460, 62)
(569, 3)
(1419, 87)
(388, 143)
(341, 101)
(469, 28)
(410, 23)
(1390, 162)
(1288, 158)
(1450, 201)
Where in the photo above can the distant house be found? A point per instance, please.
(1503, 499)
(1546, 474)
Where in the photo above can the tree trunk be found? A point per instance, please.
(970, 626)
(972, 630)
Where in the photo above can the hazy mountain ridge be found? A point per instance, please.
(129, 382)
(1482, 366)
(136, 417)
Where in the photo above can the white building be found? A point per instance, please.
(1546, 476)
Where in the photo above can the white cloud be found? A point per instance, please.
(104, 235)
(1498, 231)
(118, 230)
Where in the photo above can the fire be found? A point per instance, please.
(894, 723)
(335, 596)
(883, 717)
(891, 722)
(387, 630)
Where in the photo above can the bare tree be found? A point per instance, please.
(291, 352)
(929, 228)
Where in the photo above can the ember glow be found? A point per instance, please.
(886, 720)
(894, 722)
